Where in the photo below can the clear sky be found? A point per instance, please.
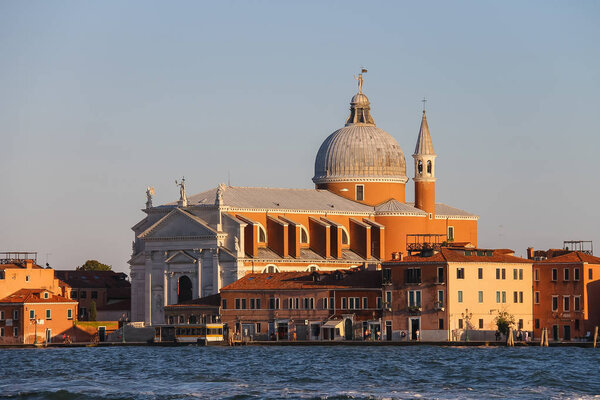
(100, 99)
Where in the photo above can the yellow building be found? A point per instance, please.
(456, 294)
(19, 271)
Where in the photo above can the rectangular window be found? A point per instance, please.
(503, 273)
(325, 305)
(497, 273)
(441, 323)
(480, 296)
(291, 303)
(237, 304)
(460, 273)
(440, 275)
(252, 304)
(74, 294)
(31, 314)
(388, 299)
(479, 273)
(387, 275)
(26, 278)
(277, 304)
(365, 303)
(460, 296)
(515, 297)
(576, 303)
(515, 274)
(258, 304)
(360, 192)
(414, 298)
(271, 303)
(224, 304)
(48, 314)
(460, 323)
(82, 294)
(379, 304)
(69, 314)
(15, 331)
(1, 332)
(566, 272)
(498, 297)
(440, 298)
(94, 294)
(2, 315)
(554, 303)
(351, 303)
(331, 303)
(2, 274)
(520, 297)
(521, 274)
(590, 274)
(480, 323)
(536, 297)
(16, 315)
(520, 324)
(258, 327)
(344, 304)
(536, 274)
(243, 304)
(412, 275)
(566, 303)
(503, 296)
(554, 274)
(450, 233)
(576, 324)
(537, 323)
(297, 303)
(575, 274)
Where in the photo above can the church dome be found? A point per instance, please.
(360, 151)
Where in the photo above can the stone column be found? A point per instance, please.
(166, 297)
(199, 272)
(215, 270)
(148, 289)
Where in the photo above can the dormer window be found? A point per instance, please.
(262, 235)
(303, 234)
(46, 295)
(429, 167)
(360, 192)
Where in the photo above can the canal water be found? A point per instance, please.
(318, 372)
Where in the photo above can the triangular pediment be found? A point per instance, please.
(180, 257)
(178, 223)
(138, 259)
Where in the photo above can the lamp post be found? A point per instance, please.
(467, 317)
(34, 321)
(123, 319)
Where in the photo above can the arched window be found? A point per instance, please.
(420, 167)
(271, 269)
(184, 289)
(262, 234)
(182, 319)
(429, 167)
(303, 234)
(192, 319)
(345, 236)
(313, 267)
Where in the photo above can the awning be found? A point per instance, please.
(331, 324)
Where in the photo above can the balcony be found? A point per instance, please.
(413, 310)
(438, 306)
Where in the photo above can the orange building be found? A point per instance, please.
(30, 313)
(17, 272)
(566, 293)
(356, 215)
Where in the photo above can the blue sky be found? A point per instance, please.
(100, 99)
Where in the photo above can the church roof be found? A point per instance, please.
(424, 143)
(444, 210)
(395, 206)
(278, 198)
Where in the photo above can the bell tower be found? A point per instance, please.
(424, 157)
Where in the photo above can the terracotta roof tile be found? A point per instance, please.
(464, 255)
(341, 279)
(34, 296)
(574, 257)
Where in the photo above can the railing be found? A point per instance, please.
(7, 257)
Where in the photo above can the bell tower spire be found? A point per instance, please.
(424, 157)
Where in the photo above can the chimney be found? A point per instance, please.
(400, 256)
(28, 264)
(530, 253)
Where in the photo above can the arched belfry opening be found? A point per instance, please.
(184, 289)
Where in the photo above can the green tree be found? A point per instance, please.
(93, 311)
(94, 265)
(504, 321)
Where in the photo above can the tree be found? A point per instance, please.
(93, 311)
(94, 265)
(504, 321)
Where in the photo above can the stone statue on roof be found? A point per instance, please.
(360, 79)
(149, 193)
(219, 196)
(182, 196)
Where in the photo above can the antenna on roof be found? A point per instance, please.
(228, 178)
(424, 101)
